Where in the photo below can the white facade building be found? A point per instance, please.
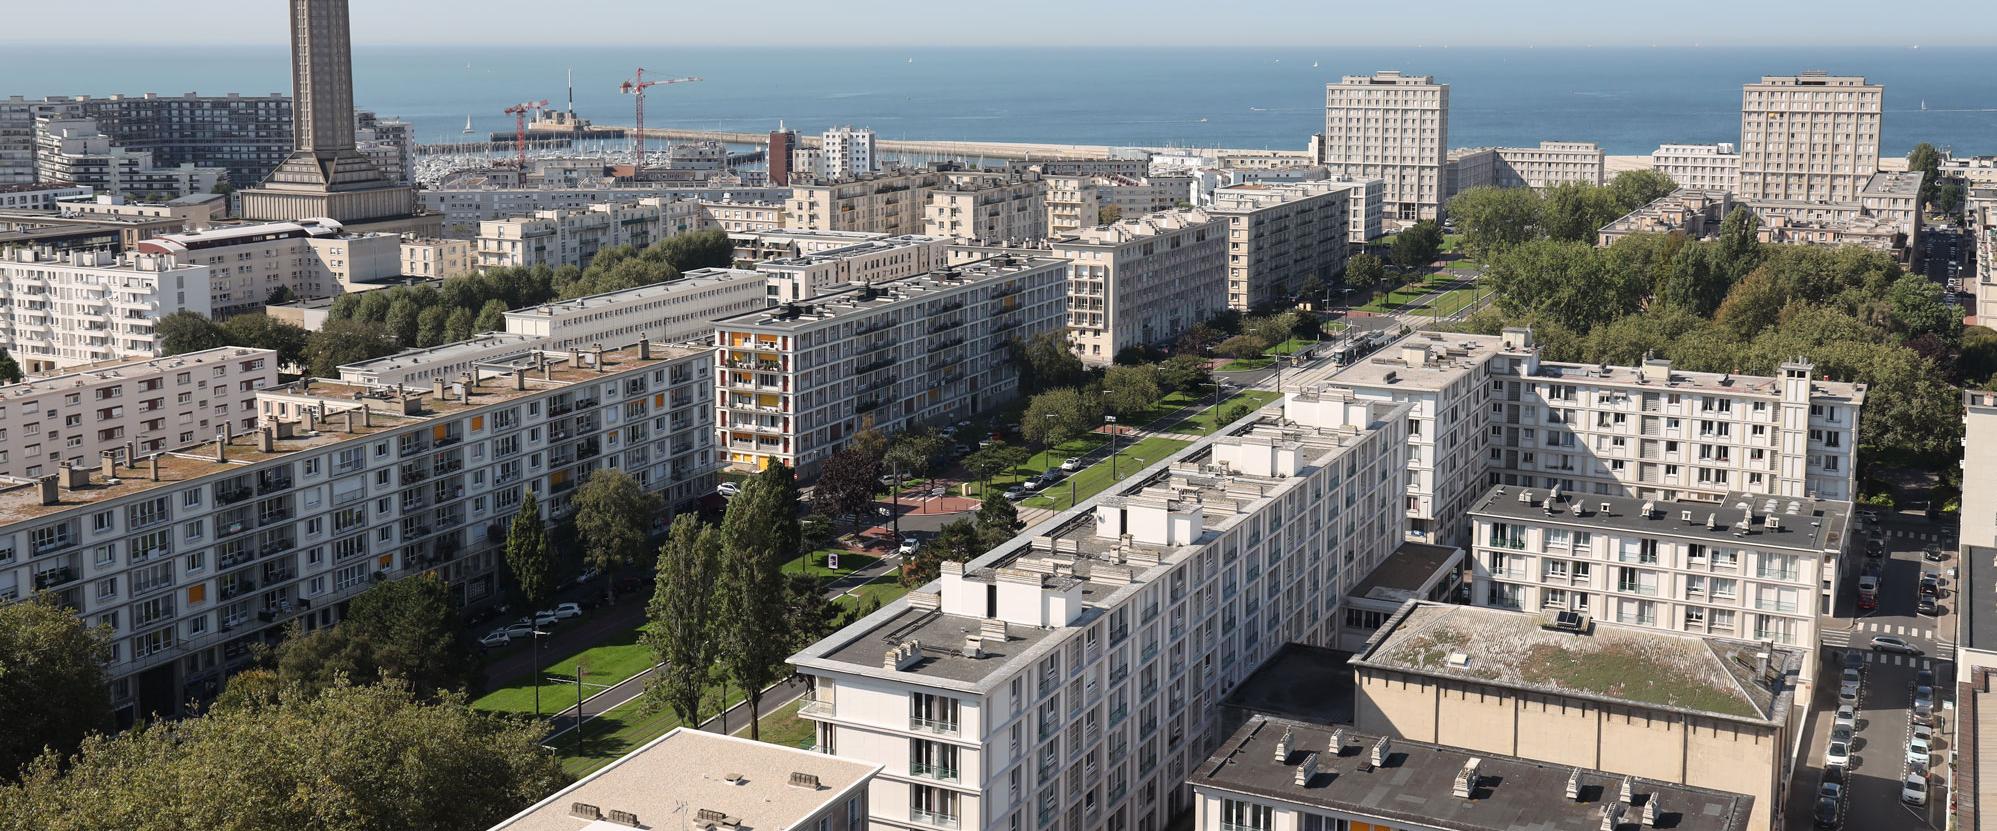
(129, 408)
(1391, 127)
(1811, 137)
(875, 260)
(39, 196)
(846, 152)
(676, 311)
(556, 238)
(1142, 281)
(84, 307)
(1279, 237)
(1069, 679)
(1707, 167)
(313, 258)
(988, 207)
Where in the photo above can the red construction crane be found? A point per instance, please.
(637, 87)
(519, 113)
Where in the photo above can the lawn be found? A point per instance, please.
(786, 728)
(608, 663)
(1247, 364)
(1040, 461)
(1289, 347)
(608, 737)
(1202, 423)
(849, 561)
(1092, 479)
(884, 588)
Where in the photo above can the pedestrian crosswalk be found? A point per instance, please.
(1878, 628)
(1925, 536)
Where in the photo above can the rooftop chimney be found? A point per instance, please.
(367, 415)
(437, 389)
(520, 378)
(1650, 811)
(1307, 770)
(808, 781)
(267, 440)
(1380, 750)
(1612, 816)
(1574, 785)
(51, 490)
(1466, 779)
(1625, 793)
(109, 463)
(1283, 746)
(221, 447)
(596, 357)
(644, 347)
(152, 463)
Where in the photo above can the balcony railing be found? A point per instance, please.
(932, 771)
(815, 707)
(928, 725)
(939, 820)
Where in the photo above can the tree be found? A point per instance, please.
(1575, 211)
(614, 519)
(1926, 160)
(10, 371)
(279, 296)
(1493, 219)
(265, 332)
(1130, 390)
(1108, 214)
(1364, 272)
(405, 321)
(404, 630)
(815, 532)
(1417, 246)
(458, 325)
(342, 342)
(1313, 288)
(1697, 279)
(1918, 308)
(431, 326)
(997, 520)
(846, 483)
(913, 451)
(1184, 373)
(1978, 361)
(758, 533)
(527, 557)
(349, 757)
(1633, 189)
(994, 459)
(491, 317)
(696, 249)
(1562, 281)
(682, 628)
(183, 332)
(808, 613)
(1046, 362)
(1242, 346)
(957, 541)
(1198, 338)
(53, 691)
(1056, 416)
(1740, 243)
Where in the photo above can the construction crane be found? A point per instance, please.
(637, 86)
(519, 113)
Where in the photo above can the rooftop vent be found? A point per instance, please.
(1578, 508)
(1336, 747)
(1283, 746)
(1459, 660)
(625, 818)
(808, 781)
(1684, 516)
(1525, 497)
(1466, 780)
(1648, 509)
(1380, 750)
(1612, 816)
(1650, 811)
(1627, 791)
(584, 810)
(1604, 508)
(1574, 785)
(1307, 770)
(1713, 522)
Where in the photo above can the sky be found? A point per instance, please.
(1601, 23)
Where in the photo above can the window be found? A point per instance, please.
(1238, 815)
(932, 712)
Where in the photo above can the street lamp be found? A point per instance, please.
(1110, 420)
(1216, 403)
(1047, 449)
(536, 638)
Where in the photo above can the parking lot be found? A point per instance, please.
(1878, 747)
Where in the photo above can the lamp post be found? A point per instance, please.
(1110, 420)
(1216, 403)
(1047, 449)
(536, 637)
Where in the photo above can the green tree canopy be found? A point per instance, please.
(342, 342)
(10, 370)
(527, 556)
(1056, 416)
(1493, 219)
(265, 332)
(613, 516)
(1633, 189)
(1576, 211)
(1184, 373)
(1364, 272)
(52, 686)
(759, 533)
(403, 629)
(681, 614)
(1562, 281)
(1417, 246)
(1130, 390)
(183, 332)
(1045, 362)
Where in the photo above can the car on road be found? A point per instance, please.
(587, 575)
(1825, 815)
(1854, 658)
(563, 611)
(1829, 789)
(1925, 678)
(1033, 484)
(1933, 553)
(1874, 550)
(1848, 694)
(728, 489)
(960, 449)
(518, 629)
(1870, 516)
(1888, 643)
(909, 545)
(1924, 701)
(495, 639)
(1838, 755)
(1927, 606)
(1015, 493)
(546, 618)
(1071, 464)
(1923, 732)
(1845, 717)
(1843, 734)
(1918, 751)
(1914, 791)
(1853, 675)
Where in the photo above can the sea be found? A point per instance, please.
(1629, 100)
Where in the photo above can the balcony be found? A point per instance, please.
(937, 772)
(1514, 543)
(267, 484)
(816, 707)
(932, 818)
(925, 725)
(55, 577)
(232, 493)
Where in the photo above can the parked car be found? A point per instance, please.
(1933, 554)
(1924, 678)
(546, 618)
(587, 575)
(1032, 484)
(519, 629)
(1853, 675)
(495, 639)
(1928, 606)
(1071, 464)
(1829, 789)
(1825, 816)
(909, 545)
(728, 489)
(1846, 717)
(1924, 700)
(1838, 755)
(1923, 732)
(1854, 658)
(1888, 643)
(1918, 750)
(564, 611)
(1848, 694)
(1842, 734)
(1914, 791)
(1015, 493)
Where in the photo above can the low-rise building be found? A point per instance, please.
(128, 408)
(193, 212)
(890, 202)
(676, 311)
(742, 217)
(711, 781)
(1974, 171)
(877, 260)
(797, 381)
(435, 257)
(1281, 775)
(1279, 237)
(1551, 163)
(462, 206)
(1751, 567)
(1703, 167)
(1142, 281)
(752, 247)
(40, 196)
(1073, 675)
(556, 238)
(86, 307)
(1703, 712)
(441, 364)
(988, 207)
(313, 258)
(1695, 213)
(72, 150)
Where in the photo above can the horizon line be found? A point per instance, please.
(1045, 46)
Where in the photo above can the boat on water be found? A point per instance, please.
(468, 124)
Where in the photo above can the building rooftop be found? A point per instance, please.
(1418, 784)
(837, 305)
(860, 248)
(687, 779)
(940, 634)
(1976, 604)
(1659, 374)
(1149, 225)
(77, 376)
(342, 412)
(1406, 574)
(695, 280)
(1299, 681)
(1606, 662)
(1423, 360)
(1905, 184)
(477, 347)
(1740, 519)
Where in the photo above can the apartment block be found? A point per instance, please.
(195, 212)
(752, 247)
(40, 196)
(389, 143)
(877, 260)
(196, 556)
(1551, 163)
(444, 363)
(782, 153)
(1710, 713)
(555, 238)
(988, 207)
(677, 311)
(128, 408)
(1280, 775)
(1981, 211)
(1704, 167)
(1751, 567)
(742, 217)
(1469, 167)
(1070, 679)
(1143, 280)
(463, 206)
(1976, 171)
(1391, 127)
(1693, 212)
(1279, 237)
(74, 151)
(796, 382)
(846, 152)
(1077, 201)
(84, 307)
(314, 258)
(715, 781)
(891, 202)
(1811, 137)
(245, 135)
(435, 257)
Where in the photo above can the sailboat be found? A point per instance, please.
(1924, 105)
(1313, 64)
(468, 124)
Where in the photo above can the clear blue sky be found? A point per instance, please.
(1043, 22)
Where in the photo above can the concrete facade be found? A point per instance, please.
(435, 257)
(74, 151)
(246, 135)
(1279, 237)
(890, 202)
(988, 207)
(1706, 167)
(316, 258)
(1143, 280)
(828, 270)
(84, 307)
(846, 153)
(1391, 127)
(556, 238)
(1809, 138)
(677, 311)
(130, 408)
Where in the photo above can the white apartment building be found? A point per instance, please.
(677, 311)
(846, 152)
(84, 307)
(196, 556)
(1069, 678)
(556, 238)
(1753, 567)
(1978, 171)
(1549, 164)
(988, 207)
(875, 260)
(72, 150)
(1076, 201)
(890, 202)
(40, 196)
(435, 257)
(742, 217)
(313, 258)
(1707, 167)
(796, 382)
(441, 364)
(1143, 280)
(128, 408)
(1391, 127)
(464, 206)
(1811, 137)
(1695, 213)
(1981, 208)
(1280, 236)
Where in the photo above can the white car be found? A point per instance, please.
(518, 629)
(495, 639)
(1071, 464)
(1838, 755)
(1848, 694)
(541, 619)
(562, 611)
(728, 489)
(1032, 484)
(1914, 791)
(909, 545)
(1917, 752)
